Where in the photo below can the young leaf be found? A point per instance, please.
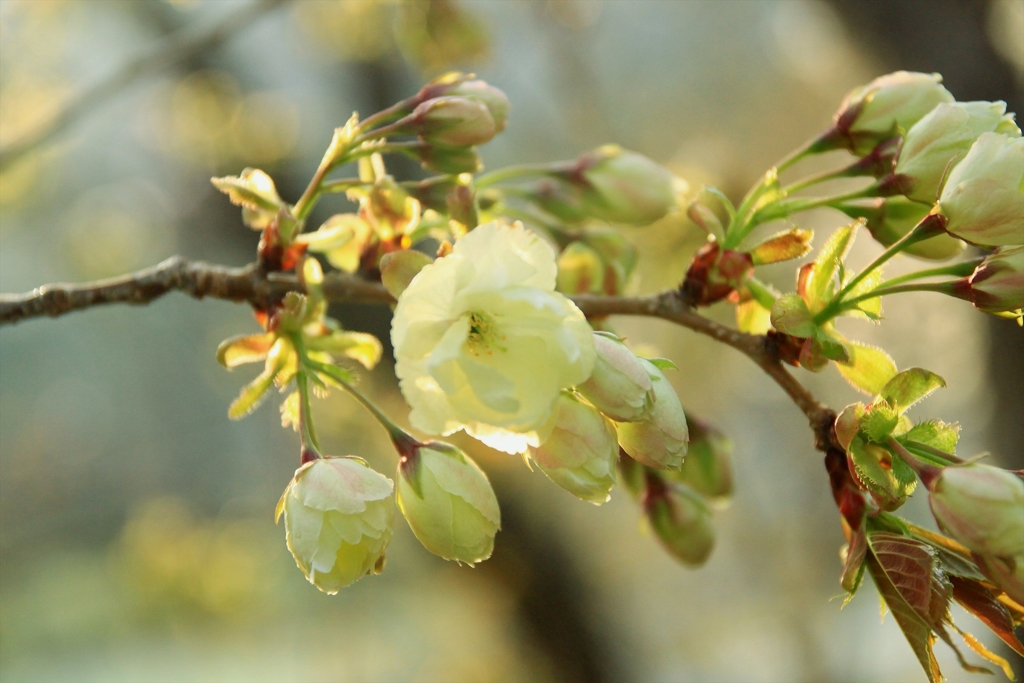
(869, 308)
(872, 466)
(359, 346)
(869, 368)
(978, 600)
(935, 433)
(848, 423)
(853, 566)
(252, 395)
(246, 348)
(782, 246)
(915, 628)
(790, 315)
(662, 363)
(821, 284)
(879, 421)
(909, 387)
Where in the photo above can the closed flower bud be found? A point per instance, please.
(982, 507)
(338, 518)
(619, 386)
(983, 198)
(681, 520)
(449, 159)
(494, 99)
(941, 139)
(659, 439)
(891, 218)
(580, 270)
(457, 121)
(707, 468)
(873, 112)
(448, 502)
(626, 187)
(997, 285)
(580, 454)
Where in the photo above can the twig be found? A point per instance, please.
(176, 48)
(258, 288)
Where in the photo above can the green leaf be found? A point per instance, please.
(822, 282)
(935, 433)
(869, 308)
(790, 315)
(662, 363)
(869, 367)
(828, 346)
(909, 387)
(252, 395)
(752, 317)
(246, 348)
(879, 421)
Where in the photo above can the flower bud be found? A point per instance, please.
(997, 285)
(889, 219)
(659, 439)
(338, 519)
(457, 121)
(982, 507)
(619, 386)
(983, 198)
(580, 270)
(626, 187)
(580, 454)
(873, 112)
(494, 99)
(618, 255)
(681, 520)
(449, 159)
(708, 464)
(448, 502)
(941, 139)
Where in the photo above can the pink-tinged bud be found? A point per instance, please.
(457, 121)
(982, 507)
(681, 520)
(338, 519)
(581, 452)
(997, 285)
(889, 219)
(939, 140)
(660, 438)
(873, 113)
(983, 198)
(1005, 572)
(619, 386)
(448, 502)
(708, 464)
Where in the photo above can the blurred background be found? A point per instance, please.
(136, 533)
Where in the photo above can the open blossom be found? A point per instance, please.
(338, 518)
(483, 343)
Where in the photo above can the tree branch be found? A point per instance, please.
(176, 48)
(252, 285)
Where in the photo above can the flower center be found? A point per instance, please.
(484, 335)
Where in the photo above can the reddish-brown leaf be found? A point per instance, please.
(918, 633)
(980, 602)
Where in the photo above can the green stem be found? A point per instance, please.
(923, 449)
(307, 433)
(512, 173)
(397, 434)
(393, 112)
(956, 270)
(810, 181)
(341, 185)
(930, 226)
(942, 287)
(761, 292)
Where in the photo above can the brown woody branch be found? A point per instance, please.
(258, 288)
